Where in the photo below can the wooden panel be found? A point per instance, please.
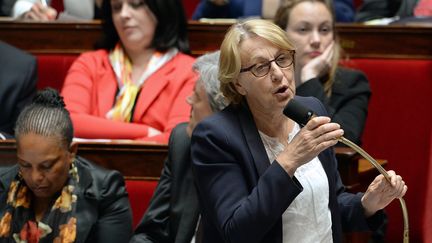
(51, 37)
(143, 161)
(359, 41)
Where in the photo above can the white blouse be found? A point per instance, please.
(308, 217)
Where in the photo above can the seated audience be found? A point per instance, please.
(260, 176)
(378, 9)
(52, 9)
(136, 85)
(344, 92)
(260, 8)
(53, 196)
(174, 209)
(18, 78)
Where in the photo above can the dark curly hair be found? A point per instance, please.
(46, 116)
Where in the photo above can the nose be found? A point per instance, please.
(36, 176)
(276, 72)
(315, 40)
(124, 12)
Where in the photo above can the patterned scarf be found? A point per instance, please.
(58, 225)
(122, 66)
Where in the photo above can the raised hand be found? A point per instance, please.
(381, 193)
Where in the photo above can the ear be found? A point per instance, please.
(73, 149)
(239, 87)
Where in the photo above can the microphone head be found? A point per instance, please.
(297, 112)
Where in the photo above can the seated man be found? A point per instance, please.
(18, 77)
(174, 209)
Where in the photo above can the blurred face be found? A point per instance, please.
(269, 93)
(200, 106)
(134, 22)
(44, 164)
(310, 26)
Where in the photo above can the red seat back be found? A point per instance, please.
(140, 192)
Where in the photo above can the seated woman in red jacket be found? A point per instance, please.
(136, 86)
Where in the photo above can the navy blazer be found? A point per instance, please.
(103, 211)
(243, 196)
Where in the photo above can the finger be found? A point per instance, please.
(316, 122)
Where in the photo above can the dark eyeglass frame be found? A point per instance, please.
(268, 63)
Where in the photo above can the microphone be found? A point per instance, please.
(300, 114)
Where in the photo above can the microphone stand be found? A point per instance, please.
(386, 175)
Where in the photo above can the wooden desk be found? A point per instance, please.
(359, 41)
(139, 161)
(143, 161)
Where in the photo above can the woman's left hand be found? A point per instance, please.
(318, 66)
(381, 193)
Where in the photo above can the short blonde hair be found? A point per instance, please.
(230, 61)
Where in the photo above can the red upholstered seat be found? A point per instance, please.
(52, 69)
(140, 193)
(398, 128)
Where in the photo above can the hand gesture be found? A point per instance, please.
(319, 66)
(40, 12)
(318, 135)
(381, 193)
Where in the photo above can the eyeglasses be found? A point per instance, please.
(283, 60)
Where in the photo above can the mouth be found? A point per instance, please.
(314, 53)
(281, 89)
(40, 189)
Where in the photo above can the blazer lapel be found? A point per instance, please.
(106, 90)
(253, 140)
(86, 212)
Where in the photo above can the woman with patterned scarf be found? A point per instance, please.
(135, 87)
(53, 196)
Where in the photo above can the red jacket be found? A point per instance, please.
(90, 88)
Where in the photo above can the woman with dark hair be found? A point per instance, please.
(135, 86)
(51, 195)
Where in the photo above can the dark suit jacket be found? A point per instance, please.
(376, 9)
(173, 211)
(348, 104)
(243, 196)
(103, 212)
(18, 79)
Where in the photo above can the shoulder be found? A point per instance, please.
(12, 56)
(223, 124)
(98, 180)
(351, 80)
(94, 55)
(92, 61)
(181, 62)
(7, 174)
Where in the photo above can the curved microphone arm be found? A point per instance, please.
(300, 114)
(386, 175)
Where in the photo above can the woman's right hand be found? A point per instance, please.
(319, 65)
(318, 135)
(40, 12)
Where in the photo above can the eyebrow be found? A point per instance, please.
(21, 161)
